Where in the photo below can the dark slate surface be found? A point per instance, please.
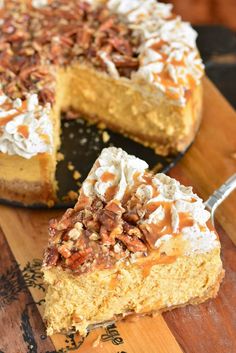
(217, 46)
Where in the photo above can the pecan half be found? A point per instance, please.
(78, 258)
(132, 243)
(52, 256)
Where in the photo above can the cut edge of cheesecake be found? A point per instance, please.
(76, 303)
(145, 116)
(134, 243)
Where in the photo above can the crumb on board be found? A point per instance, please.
(70, 166)
(60, 156)
(71, 196)
(83, 141)
(71, 114)
(50, 203)
(96, 342)
(101, 126)
(105, 137)
(76, 175)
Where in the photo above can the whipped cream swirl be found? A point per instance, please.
(121, 168)
(25, 127)
(172, 214)
(182, 200)
(168, 55)
(39, 3)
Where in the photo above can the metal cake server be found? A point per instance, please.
(211, 204)
(220, 195)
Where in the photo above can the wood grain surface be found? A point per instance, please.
(206, 11)
(209, 327)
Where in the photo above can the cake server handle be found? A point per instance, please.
(220, 195)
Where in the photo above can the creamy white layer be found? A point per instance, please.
(168, 55)
(120, 166)
(29, 129)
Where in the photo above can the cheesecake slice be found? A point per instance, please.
(134, 243)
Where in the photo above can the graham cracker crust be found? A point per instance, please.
(27, 193)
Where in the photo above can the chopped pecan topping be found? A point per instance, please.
(108, 219)
(78, 258)
(133, 243)
(52, 256)
(131, 217)
(34, 41)
(103, 234)
(64, 251)
(132, 230)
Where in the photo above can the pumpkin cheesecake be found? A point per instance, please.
(134, 243)
(132, 65)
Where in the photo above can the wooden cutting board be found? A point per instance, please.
(209, 327)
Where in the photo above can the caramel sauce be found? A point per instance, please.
(147, 265)
(148, 178)
(4, 121)
(111, 191)
(177, 63)
(157, 46)
(165, 79)
(155, 192)
(82, 203)
(113, 283)
(135, 178)
(164, 226)
(107, 176)
(5, 106)
(202, 228)
(185, 220)
(191, 82)
(23, 130)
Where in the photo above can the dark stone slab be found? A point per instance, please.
(217, 45)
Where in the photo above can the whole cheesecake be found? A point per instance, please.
(132, 65)
(134, 243)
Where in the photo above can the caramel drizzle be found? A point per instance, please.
(110, 192)
(4, 121)
(148, 264)
(155, 231)
(6, 106)
(107, 176)
(23, 130)
(165, 77)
